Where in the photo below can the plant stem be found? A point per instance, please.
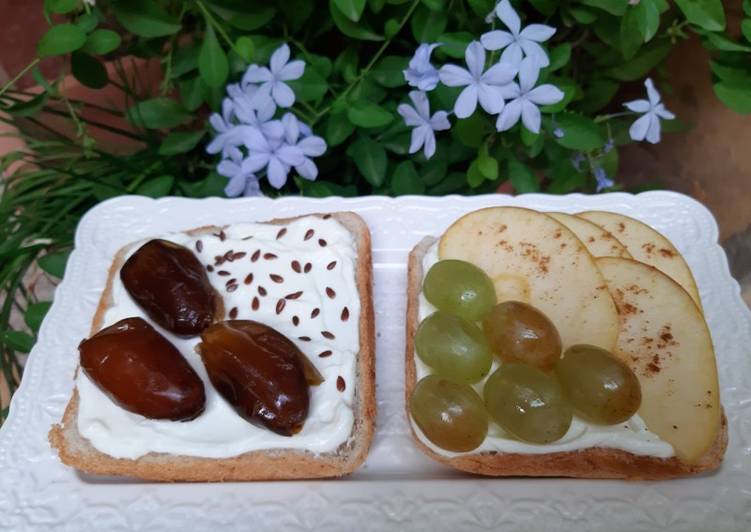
(211, 20)
(364, 72)
(18, 76)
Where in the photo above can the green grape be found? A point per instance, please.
(453, 348)
(451, 415)
(518, 332)
(599, 386)
(459, 288)
(527, 403)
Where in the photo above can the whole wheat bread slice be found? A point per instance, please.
(594, 462)
(76, 451)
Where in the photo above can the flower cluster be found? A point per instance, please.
(506, 88)
(252, 141)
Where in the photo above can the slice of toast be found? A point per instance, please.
(594, 462)
(77, 451)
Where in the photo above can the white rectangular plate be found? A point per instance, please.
(397, 488)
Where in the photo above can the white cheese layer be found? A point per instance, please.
(631, 436)
(310, 255)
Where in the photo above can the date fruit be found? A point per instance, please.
(260, 372)
(142, 372)
(168, 282)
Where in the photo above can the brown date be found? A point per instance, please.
(141, 371)
(170, 284)
(260, 372)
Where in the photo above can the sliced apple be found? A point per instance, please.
(530, 254)
(598, 241)
(648, 246)
(665, 340)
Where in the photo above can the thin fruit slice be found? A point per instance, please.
(665, 341)
(599, 242)
(648, 246)
(558, 273)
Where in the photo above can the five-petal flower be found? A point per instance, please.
(648, 126)
(526, 98)
(487, 87)
(241, 181)
(310, 145)
(420, 73)
(273, 79)
(424, 125)
(275, 155)
(517, 41)
(260, 117)
(225, 128)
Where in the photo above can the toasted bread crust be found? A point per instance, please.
(76, 451)
(594, 462)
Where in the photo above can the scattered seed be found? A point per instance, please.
(255, 303)
(232, 288)
(262, 291)
(233, 313)
(345, 314)
(304, 338)
(223, 273)
(238, 255)
(295, 321)
(199, 246)
(316, 312)
(231, 281)
(308, 267)
(248, 278)
(326, 216)
(340, 384)
(276, 278)
(309, 234)
(322, 242)
(269, 256)
(247, 237)
(218, 260)
(228, 255)
(254, 257)
(293, 295)
(324, 354)
(327, 334)
(209, 268)
(296, 266)
(331, 265)
(330, 292)
(280, 305)
(220, 235)
(281, 233)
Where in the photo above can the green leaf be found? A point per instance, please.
(35, 314)
(87, 22)
(649, 19)
(609, 161)
(60, 6)
(156, 187)
(522, 177)
(29, 107)
(747, 7)
(434, 170)
(583, 15)
(338, 129)
(648, 58)
(245, 48)
(733, 75)
(631, 36)
(158, 113)
(725, 44)
(746, 29)
(406, 180)
(427, 25)
(737, 98)
(435, 5)
(559, 57)
(453, 182)
(310, 87)
(474, 176)
(454, 44)
(546, 7)
(18, 341)
(180, 142)
(145, 18)
(212, 61)
(391, 28)
(707, 14)
(358, 30)
(88, 70)
(482, 7)
(101, 42)
(192, 93)
(212, 185)
(614, 7)
(61, 40)
(184, 60)
(248, 18)
(597, 95)
(579, 132)
(352, 9)
(54, 263)
(370, 159)
(376, 6)
(388, 72)
(487, 165)
(470, 131)
(366, 114)
(297, 12)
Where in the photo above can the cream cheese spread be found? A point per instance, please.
(254, 267)
(633, 436)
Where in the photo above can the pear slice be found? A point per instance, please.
(648, 246)
(664, 339)
(528, 253)
(599, 242)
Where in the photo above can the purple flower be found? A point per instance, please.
(420, 73)
(241, 181)
(272, 79)
(300, 136)
(603, 181)
(424, 125)
(275, 155)
(648, 126)
(517, 42)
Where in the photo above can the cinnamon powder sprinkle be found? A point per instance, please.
(345, 314)
(340, 384)
(316, 312)
(330, 292)
(322, 242)
(262, 291)
(325, 354)
(199, 246)
(331, 265)
(281, 233)
(269, 256)
(248, 278)
(276, 278)
(255, 256)
(255, 303)
(309, 234)
(308, 267)
(280, 305)
(233, 313)
(328, 335)
(293, 295)
(296, 266)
